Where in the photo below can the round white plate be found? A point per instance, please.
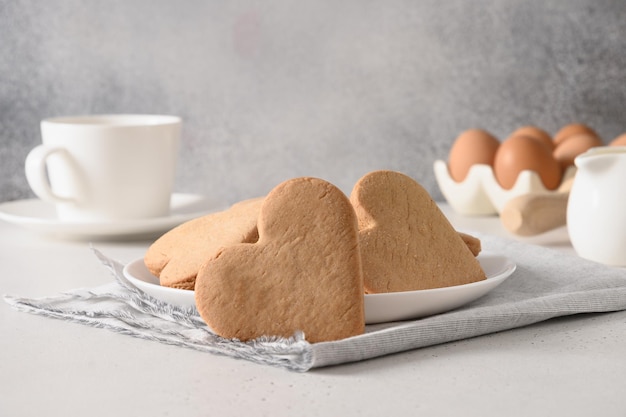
(379, 308)
(138, 275)
(395, 306)
(41, 217)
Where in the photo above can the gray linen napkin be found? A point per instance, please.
(546, 284)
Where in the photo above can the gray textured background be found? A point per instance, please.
(276, 89)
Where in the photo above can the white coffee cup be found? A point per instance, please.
(106, 167)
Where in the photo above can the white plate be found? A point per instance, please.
(395, 306)
(41, 217)
(379, 308)
(138, 275)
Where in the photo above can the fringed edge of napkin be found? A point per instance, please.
(187, 327)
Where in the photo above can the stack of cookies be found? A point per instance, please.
(302, 258)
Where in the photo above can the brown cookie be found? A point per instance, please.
(303, 274)
(177, 256)
(472, 242)
(406, 241)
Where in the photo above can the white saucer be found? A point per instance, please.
(379, 308)
(41, 217)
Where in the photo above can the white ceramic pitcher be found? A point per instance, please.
(596, 209)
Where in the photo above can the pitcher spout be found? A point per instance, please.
(599, 159)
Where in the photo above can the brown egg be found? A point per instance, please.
(567, 151)
(519, 153)
(474, 146)
(619, 141)
(535, 133)
(570, 130)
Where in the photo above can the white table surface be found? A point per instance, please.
(574, 366)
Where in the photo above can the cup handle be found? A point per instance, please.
(36, 173)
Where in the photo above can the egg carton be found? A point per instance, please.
(481, 194)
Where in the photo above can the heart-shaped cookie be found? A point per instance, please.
(406, 241)
(177, 256)
(303, 274)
